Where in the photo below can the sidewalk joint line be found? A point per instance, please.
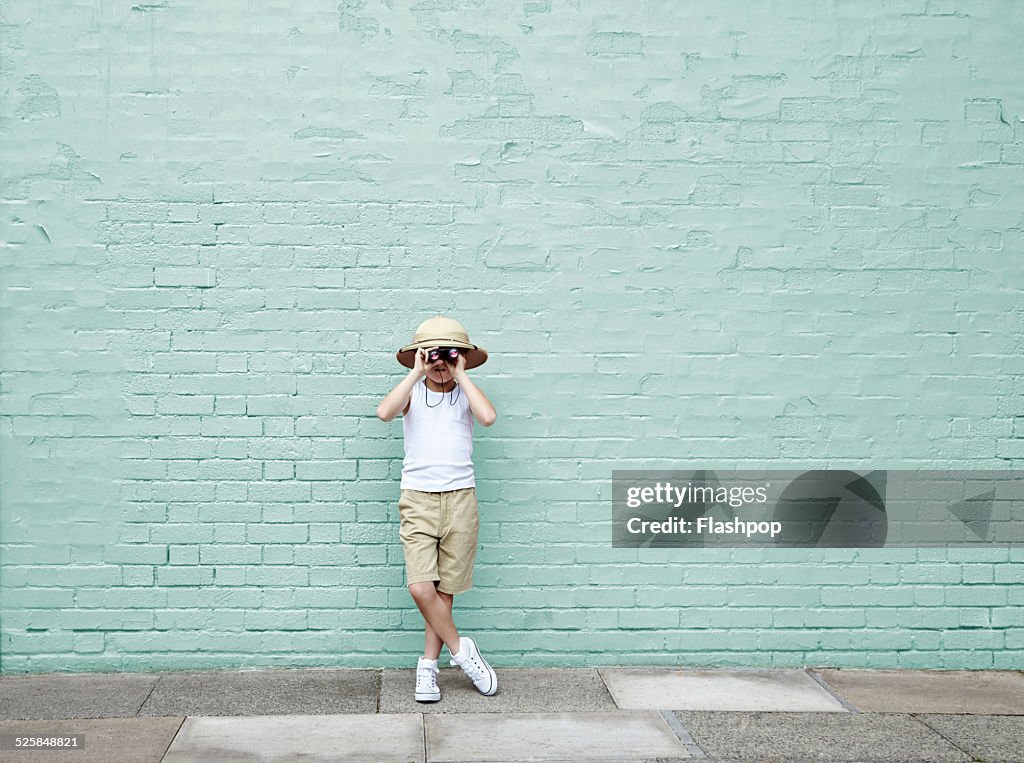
(152, 689)
(824, 685)
(942, 736)
(607, 688)
(423, 735)
(683, 735)
(174, 736)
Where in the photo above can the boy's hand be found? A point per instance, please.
(460, 366)
(420, 366)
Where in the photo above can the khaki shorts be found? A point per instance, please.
(439, 535)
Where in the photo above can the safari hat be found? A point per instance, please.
(441, 331)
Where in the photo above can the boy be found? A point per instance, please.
(438, 508)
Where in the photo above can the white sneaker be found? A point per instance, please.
(475, 666)
(426, 681)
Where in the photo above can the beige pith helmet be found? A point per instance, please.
(441, 331)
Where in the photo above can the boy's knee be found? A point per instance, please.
(423, 590)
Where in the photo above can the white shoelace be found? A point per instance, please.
(426, 678)
(474, 669)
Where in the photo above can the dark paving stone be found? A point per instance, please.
(265, 692)
(75, 695)
(106, 740)
(992, 738)
(520, 690)
(848, 737)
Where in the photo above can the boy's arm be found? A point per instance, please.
(397, 398)
(478, 402)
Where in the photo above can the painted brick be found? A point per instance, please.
(736, 257)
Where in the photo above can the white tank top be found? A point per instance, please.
(438, 441)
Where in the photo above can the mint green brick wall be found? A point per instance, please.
(780, 234)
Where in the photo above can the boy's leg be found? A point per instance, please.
(456, 554)
(420, 516)
(433, 642)
(436, 612)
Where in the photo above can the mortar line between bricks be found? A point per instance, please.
(683, 735)
(824, 685)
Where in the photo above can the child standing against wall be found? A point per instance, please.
(437, 506)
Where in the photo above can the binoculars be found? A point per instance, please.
(448, 354)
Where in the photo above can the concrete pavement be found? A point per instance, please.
(591, 714)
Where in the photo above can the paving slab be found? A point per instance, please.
(264, 692)
(520, 690)
(125, 740)
(295, 738)
(74, 695)
(804, 737)
(722, 690)
(488, 738)
(992, 738)
(981, 692)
